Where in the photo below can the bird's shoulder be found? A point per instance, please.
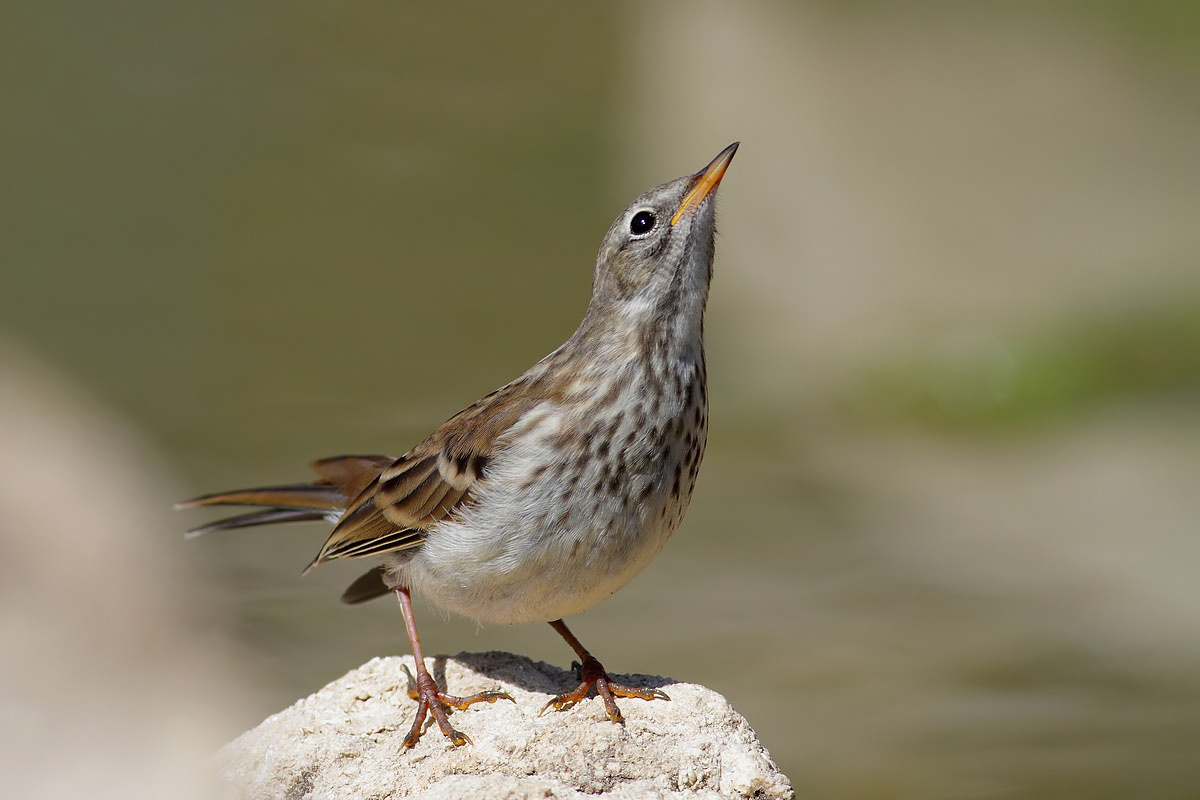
(439, 476)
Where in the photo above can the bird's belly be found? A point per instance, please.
(508, 568)
(554, 536)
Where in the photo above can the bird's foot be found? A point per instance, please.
(591, 673)
(431, 701)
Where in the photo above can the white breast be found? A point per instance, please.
(575, 504)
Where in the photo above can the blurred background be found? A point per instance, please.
(945, 540)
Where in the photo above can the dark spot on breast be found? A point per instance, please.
(534, 477)
(614, 391)
(658, 349)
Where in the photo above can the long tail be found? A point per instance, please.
(340, 480)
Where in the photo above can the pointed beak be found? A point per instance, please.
(707, 181)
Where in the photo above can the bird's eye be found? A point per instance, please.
(642, 223)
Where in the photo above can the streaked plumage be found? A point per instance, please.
(549, 494)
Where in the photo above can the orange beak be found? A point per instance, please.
(707, 181)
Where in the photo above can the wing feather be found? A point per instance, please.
(429, 483)
(440, 476)
(388, 505)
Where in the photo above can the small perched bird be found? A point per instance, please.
(551, 493)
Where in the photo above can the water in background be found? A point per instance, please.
(944, 543)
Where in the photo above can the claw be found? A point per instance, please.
(433, 702)
(559, 703)
(591, 673)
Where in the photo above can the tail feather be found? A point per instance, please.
(368, 586)
(341, 479)
(302, 495)
(268, 516)
(351, 474)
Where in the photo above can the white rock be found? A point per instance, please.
(347, 741)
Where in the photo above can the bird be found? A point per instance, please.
(549, 494)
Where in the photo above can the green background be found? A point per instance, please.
(944, 542)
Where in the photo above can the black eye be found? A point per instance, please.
(642, 223)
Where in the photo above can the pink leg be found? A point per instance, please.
(425, 691)
(591, 673)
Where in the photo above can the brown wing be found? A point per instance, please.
(432, 481)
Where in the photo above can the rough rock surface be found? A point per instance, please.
(346, 741)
